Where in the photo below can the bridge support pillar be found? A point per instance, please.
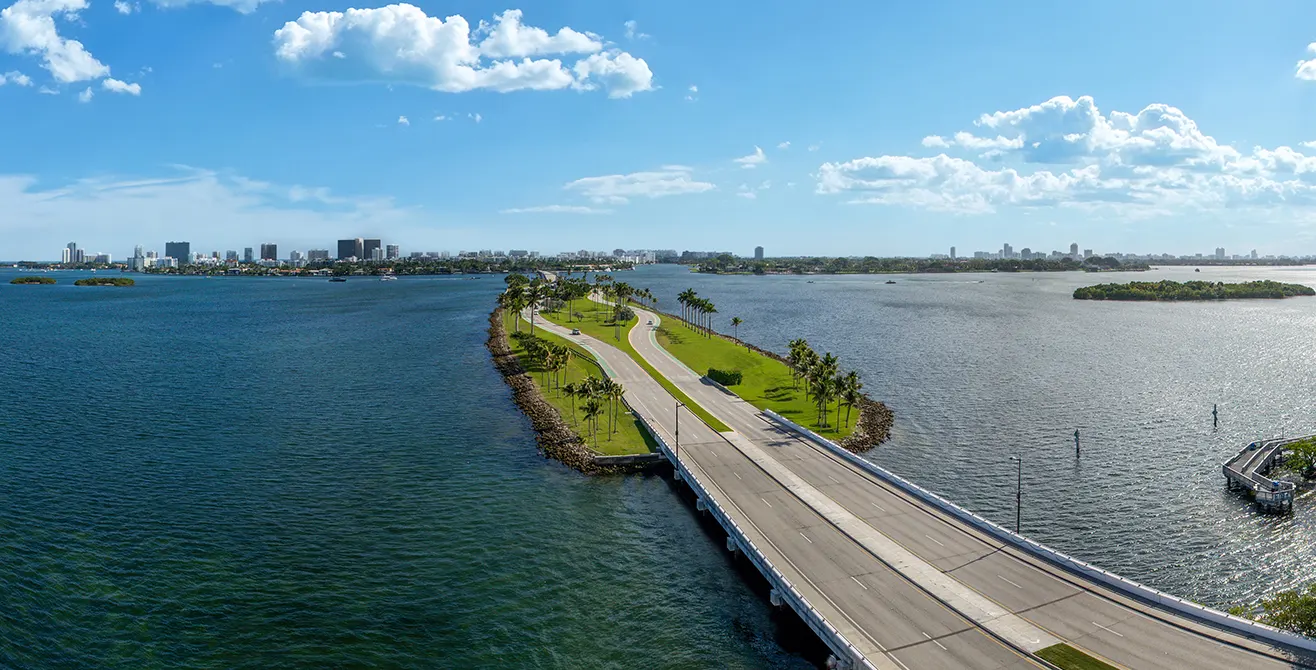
(676, 474)
(774, 597)
(701, 505)
(731, 545)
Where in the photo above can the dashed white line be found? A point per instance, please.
(1104, 628)
(737, 474)
(1010, 582)
(765, 502)
(943, 647)
(835, 480)
(806, 537)
(877, 506)
(859, 583)
(933, 539)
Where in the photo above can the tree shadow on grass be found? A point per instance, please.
(672, 337)
(779, 393)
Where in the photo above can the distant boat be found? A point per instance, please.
(338, 279)
(388, 278)
(1197, 269)
(810, 281)
(890, 281)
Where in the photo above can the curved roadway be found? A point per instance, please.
(908, 585)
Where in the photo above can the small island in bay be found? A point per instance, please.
(105, 281)
(32, 280)
(1193, 290)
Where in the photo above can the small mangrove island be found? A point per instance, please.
(1193, 290)
(105, 281)
(32, 280)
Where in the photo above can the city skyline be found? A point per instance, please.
(620, 129)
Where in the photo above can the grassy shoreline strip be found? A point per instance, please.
(630, 438)
(604, 331)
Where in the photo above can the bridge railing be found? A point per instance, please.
(1239, 625)
(784, 587)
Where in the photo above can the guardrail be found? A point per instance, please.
(783, 586)
(1245, 627)
(1255, 456)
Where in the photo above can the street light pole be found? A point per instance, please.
(677, 411)
(1018, 492)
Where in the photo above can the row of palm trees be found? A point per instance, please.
(600, 396)
(548, 357)
(523, 292)
(823, 381)
(697, 312)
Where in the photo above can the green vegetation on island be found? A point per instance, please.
(573, 383)
(105, 281)
(32, 280)
(814, 394)
(1300, 457)
(1068, 658)
(728, 264)
(1193, 290)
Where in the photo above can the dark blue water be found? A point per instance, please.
(240, 472)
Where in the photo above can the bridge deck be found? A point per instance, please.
(906, 584)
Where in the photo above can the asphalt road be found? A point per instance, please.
(907, 585)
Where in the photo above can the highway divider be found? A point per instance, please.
(1239, 625)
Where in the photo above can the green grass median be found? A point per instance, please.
(598, 324)
(766, 382)
(1069, 658)
(630, 438)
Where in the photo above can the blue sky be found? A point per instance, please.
(868, 129)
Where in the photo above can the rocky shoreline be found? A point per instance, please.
(875, 418)
(554, 435)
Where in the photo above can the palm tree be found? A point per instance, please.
(850, 393)
(593, 408)
(616, 391)
(735, 328)
(570, 390)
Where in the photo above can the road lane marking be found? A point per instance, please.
(859, 582)
(1106, 629)
(765, 502)
(737, 474)
(933, 539)
(806, 537)
(877, 506)
(1010, 582)
(833, 479)
(943, 648)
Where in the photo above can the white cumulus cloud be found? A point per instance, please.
(124, 7)
(633, 32)
(28, 27)
(784, 145)
(116, 86)
(1307, 68)
(753, 160)
(620, 188)
(86, 95)
(400, 42)
(1155, 160)
(16, 78)
(403, 121)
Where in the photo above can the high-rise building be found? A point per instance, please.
(351, 249)
(952, 253)
(368, 248)
(247, 256)
(295, 256)
(1025, 254)
(1087, 253)
(317, 255)
(1073, 249)
(1254, 254)
(1220, 253)
(231, 255)
(74, 254)
(758, 253)
(269, 252)
(182, 251)
(376, 254)
(1007, 251)
(65, 256)
(391, 252)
